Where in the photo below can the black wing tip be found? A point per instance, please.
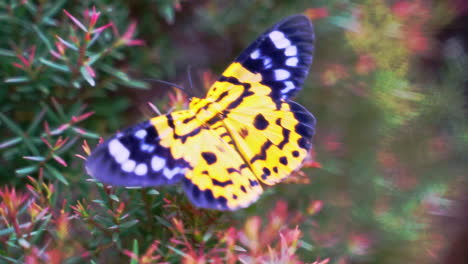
(295, 19)
(298, 21)
(287, 47)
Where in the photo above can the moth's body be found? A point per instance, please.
(245, 131)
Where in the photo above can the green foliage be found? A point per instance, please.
(389, 152)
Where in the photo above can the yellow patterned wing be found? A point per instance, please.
(246, 131)
(251, 101)
(274, 142)
(218, 177)
(273, 136)
(221, 179)
(174, 147)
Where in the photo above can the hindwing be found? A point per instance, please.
(143, 155)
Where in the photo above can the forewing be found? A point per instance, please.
(279, 59)
(272, 133)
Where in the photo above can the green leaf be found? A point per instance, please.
(24, 243)
(42, 37)
(345, 21)
(30, 145)
(12, 260)
(31, 7)
(85, 133)
(10, 142)
(163, 221)
(101, 202)
(135, 252)
(68, 44)
(11, 125)
(93, 58)
(42, 228)
(17, 20)
(51, 115)
(306, 245)
(58, 107)
(37, 119)
(207, 236)
(87, 76)
(56, 174)
(129, 224)
(116, 73)
(26, 170)
(6, 231)
(153, 192)
(5, 52)
(34, 158)
(123, 77)
(56, 7)
(76, 109)
(137, 84)
(17, 79)
(114, 197)
(167, 11)
(178, 252)
(54, 65)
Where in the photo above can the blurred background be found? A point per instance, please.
(385, 183)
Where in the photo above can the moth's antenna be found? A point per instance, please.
(188, 92)
(189, 73)
(168, 83)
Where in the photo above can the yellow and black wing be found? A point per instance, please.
(279, 59)
(245, 131)
(167, 149)
(251, 100)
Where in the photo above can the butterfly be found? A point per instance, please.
(245, 134)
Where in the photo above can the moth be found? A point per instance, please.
(245, 134)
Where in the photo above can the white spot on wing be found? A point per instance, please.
(128, 165)
(290, 51)
(141, 169)
(169, 174)
(255, 55)
(292, 61)
(281, 74)
(289, 86)
(118, 150)
(267, 62)
(157, 163)
(276, 35)
(279, 40)
(282, 43)
(146, 147)
(141, 134)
